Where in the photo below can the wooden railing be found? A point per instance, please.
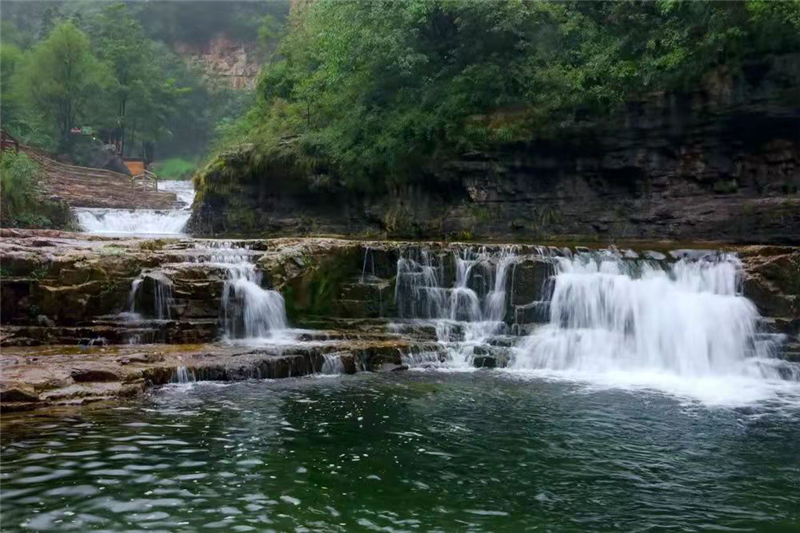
(147, 181)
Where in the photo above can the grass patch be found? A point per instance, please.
(175, 168)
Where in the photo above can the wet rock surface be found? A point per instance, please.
(74, 329)
(72, 375)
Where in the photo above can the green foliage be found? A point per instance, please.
(374, 91)
(61, 77)
(18, 178)
(153, 99)
(22, 202)
(144, 95)
(175, 168)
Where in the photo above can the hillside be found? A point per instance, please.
(459, 119)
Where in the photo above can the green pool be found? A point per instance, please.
(413, 451)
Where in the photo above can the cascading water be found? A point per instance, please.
(464, 314)
(183, 376)
(679, 325)
(685, 328)
(332, 364)
(141, 221)
(248, 310)
(162, 300)
(132, 221)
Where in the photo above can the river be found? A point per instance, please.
(515, 388)
(419, 451)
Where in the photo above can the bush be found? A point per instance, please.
(22, 200)
(18, 177)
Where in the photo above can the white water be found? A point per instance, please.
(141, 221)
(467, 313)
(682, 327)
(249, 312)
(183, 376)
(162, 297)
(332, 364)
(183, 189)
(686, 330)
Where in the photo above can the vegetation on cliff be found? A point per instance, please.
(372, 92)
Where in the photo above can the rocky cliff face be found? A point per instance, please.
(721, 162)
(225, 61)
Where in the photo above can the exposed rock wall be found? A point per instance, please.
(721, 162)
(224, 60)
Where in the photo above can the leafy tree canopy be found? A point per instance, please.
(371, 90)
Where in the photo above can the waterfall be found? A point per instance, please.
(332, 364)
(652, 323)
(248, 310)
(162, 300)
(367, 257)
(183, 376)
(466, 311)
(162, 296)
(135, 285)
(141, 221)
(132, 221)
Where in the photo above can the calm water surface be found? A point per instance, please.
(416, 451)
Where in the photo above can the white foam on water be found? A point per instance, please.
(101, 221)
(132, 221)
(686, 330)
(183, 189)
(464, 315)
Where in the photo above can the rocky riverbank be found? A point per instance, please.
(88, 318)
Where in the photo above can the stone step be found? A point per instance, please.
(101, 332)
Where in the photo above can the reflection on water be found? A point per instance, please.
(418, 451)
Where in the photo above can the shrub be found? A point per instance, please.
(22, 200)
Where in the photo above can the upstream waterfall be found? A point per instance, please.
(141, 221)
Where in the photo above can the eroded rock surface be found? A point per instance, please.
(75, 330)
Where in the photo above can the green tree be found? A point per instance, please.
(376, 90)
(60, 78)
(121, 43)
(11, 58)
(145, 93)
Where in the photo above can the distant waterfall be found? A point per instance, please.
(132, 221)
(141, 221)
(609, 315)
